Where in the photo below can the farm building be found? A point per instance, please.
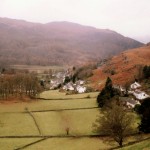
(129, 102)
(81, 89)
(135, 86)
(140, 95)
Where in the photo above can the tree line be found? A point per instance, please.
(18, 85)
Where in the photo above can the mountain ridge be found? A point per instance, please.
(58, 43)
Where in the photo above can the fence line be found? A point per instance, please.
(130, 143)
(35, 122)
(52, 136)
(68, 136)
(25, 146)
(59, 99)
(66, 109)
(62, 136)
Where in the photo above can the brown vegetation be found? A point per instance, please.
(18, 85)
(128, 67)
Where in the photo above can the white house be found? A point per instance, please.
(80, 82)
(80, 89)
(140, 95)
(135, 85)
(128, 102)
(131, 103)
(69, 86)
(52, 81)
(65, 87)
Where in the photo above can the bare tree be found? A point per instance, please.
(115, 122)
(67, 130)
(19, 84)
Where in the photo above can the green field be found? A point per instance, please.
(79, 122)
(53, 120)
(39, 105)
(11, 144)
(54, 94)
(17, 124)
(72, 144)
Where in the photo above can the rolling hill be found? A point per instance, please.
(57, 43)
(123, 68)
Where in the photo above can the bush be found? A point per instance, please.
(112, 72)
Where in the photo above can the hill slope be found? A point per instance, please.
(123, 68)
(58, 43)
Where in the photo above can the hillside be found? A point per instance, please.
(57, 43)
(123, 68)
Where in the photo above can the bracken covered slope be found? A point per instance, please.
(123, 68)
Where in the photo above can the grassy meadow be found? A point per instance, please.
(53, 120)
(39, 105)
(54, 94)
(79, 122)
(17, 124)
(73, 144)
(14, 143)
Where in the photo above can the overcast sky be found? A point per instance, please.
(128, 17)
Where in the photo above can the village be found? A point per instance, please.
(63, 81)
(135, 95)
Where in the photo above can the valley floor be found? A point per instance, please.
(44, 123)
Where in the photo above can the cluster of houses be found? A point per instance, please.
(77, 87)
(58, 81)
(137, 95)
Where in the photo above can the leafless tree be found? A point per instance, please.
(19, 85)
(115, 122)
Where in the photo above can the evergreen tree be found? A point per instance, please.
(106, 94)
(146, 71)
(67, 80)
(144, 110)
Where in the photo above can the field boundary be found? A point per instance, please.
(62, 136)
(60, 99)
(66, 109)
(130, 143)
(35, 122)
(68, 136)
(53, 136)
(115, 148)
(25, 146)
